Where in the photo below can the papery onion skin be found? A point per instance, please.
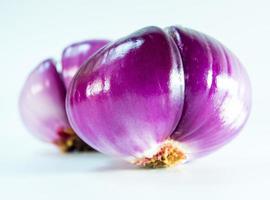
(74, 55)
(128, 97)
(41, 103)
(217, 93)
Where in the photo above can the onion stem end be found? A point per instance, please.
(168, 154)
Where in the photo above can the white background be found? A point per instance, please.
(33, 30)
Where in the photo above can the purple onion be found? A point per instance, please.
(127, 98)
(42, 103)
(42, 100)
(157, 98)
(217, 93)
(76, 54)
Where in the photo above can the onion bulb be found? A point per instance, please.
(42, 99)
(158, 97)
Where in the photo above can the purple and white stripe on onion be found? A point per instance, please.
(217, 93)
(42, 99)
(41, 103)
(159, 97)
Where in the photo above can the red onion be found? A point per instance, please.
(42, 100)
(74, 55)
(217, 93)
(157, 98)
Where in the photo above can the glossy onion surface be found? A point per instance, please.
(217, 93)
(74, 55)
(128, 97)
(160, 96)
(41, 102)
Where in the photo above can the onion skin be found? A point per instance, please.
(217, 93)
(128, 97)
(76, 54)
(41, 103)
(156, 97)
